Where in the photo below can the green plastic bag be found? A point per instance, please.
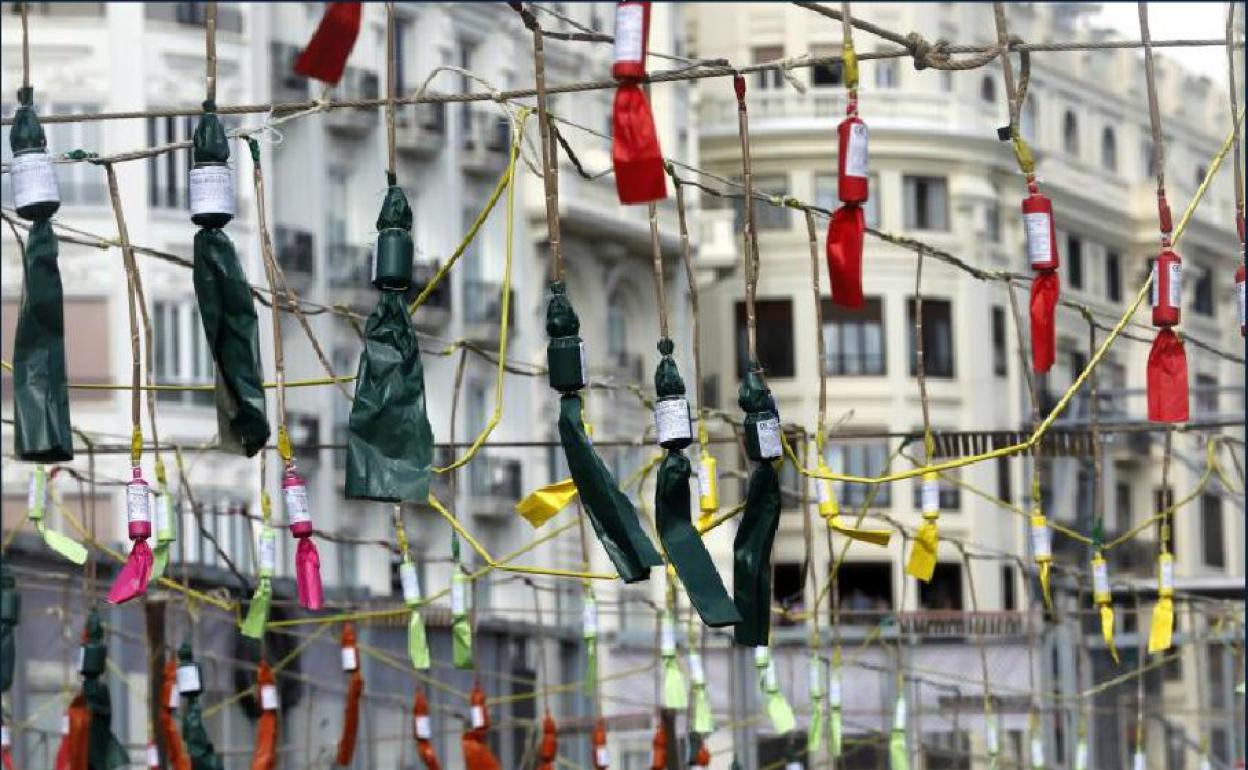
(194, 735)
(227, 309)
(41, 430)
(461, 627)
(390, 443)
(10, 615)
(751, 586)
(104, 751)
(609, 510)
(681, 541)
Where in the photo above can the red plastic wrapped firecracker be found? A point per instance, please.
(851, 163)
(1167, 289)
(131, 581)
(602, 759)
(307, 558)
(1040, 232)
(1239, 297)
(632, 35)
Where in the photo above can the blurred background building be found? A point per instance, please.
(938, 174)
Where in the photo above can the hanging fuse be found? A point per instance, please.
(708, 485)
(1037, 753)
(851, 164)
(267, 552)
(1241, 300)
(190, 681)
(632, 32)
(350, 655)
(1041, 538)
(816, 677)
(834, 687)
(589, 618)
(295, 496)
(899, 713)
(672, 423)
(138, 511)
(697, 671)
(829, 507)
(1041, 235)
(37, 494)
(602, 759)
(410, 582)
(930, 494)
(153, 756)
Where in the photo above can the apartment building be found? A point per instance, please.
(939, 174)
(324, 182)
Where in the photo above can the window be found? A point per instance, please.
(1109, 149)
(1007, 587)
(1202, 293)
(999, 355)
(826, 196)
(1113, 276)
(859, 457)
(854, 339)
(1149, 161)
(766, 216)
(886, 73)
(774, 324)
(865, 589)
(1004, 490)
(787, 580)
(1070, 133)
(826, 75)
(768, 79)
(1029, 119)
(182, 355)
(988, 90)
(1074, 261)
(1123, 519)
(944, 590)
(926, 202)
(1205, 394)
(992, 222)
(1085, 492)
(1211, 531)
(617, 327)
(937, 337)
(167, 172)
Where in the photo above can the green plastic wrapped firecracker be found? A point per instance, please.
(10, 614)
(757, 531)
(104, 750)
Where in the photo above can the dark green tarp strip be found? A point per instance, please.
(104, 750)
(194, 735)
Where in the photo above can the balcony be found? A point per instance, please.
(483, 311)
(623, 366)
(287, 85)
(420, 129)
(349, 274)
(494, 485)
(296, 254)
(354, 121)
(933, 625)
(718, 248)
(486, 140)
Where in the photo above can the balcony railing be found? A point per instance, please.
(498, 478)
(941, 624)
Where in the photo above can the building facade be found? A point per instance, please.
(938, 174)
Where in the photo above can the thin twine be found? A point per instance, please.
(127, 254)
(660, 294)
(979, 636)
(813, 238)
(210, 47)
(749, 237)
(549, 158)
(25, 46)
(1234, 91)
(1033, 395)
(1094, 414)
(391, 78)
(1154, 118)
(270, 271)
(692, 279)
(920, 370)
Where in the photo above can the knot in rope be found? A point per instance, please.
(927, 54)
(786, 69)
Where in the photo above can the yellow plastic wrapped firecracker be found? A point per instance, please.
(708, 490)
(922, 562)
(1103, 599)
(1162, 627)
(1042, 551)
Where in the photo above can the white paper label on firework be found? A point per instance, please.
(769, 438)
(410, 582)
(137, 502)
(34, 180)
(1137, 761)
(601, 757)
(153, 756)
(931, 496)
(478, 717)
(37, 494)
(175, 699)
(1243, 301)
(770, 680)
(671, 420)
(834, 688)
(82, 657)
(1041, 541)
(990, 738)
(761, 656)
(424, 730)
(1167, 574)
(65, 724)
(823, 491)
(705, 479)
(268, 697)
(1100, 578)
(1081, 756)
(816, 678)
(4, 736)
(350, 659)
(794, 765)
(212, 190)
(296, 499)
(697, 673)
(1175, 295)
(1037, 753)
(628, 32)
(667, 637)
(268, 552)
(584, 362)
(589, 619)
(188, 679)
(165, 529)
(856, 150)
(459, 596)
(899, 715)
(1038, 236)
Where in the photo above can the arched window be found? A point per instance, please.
(1109, 149)
(988, 89)
(617, 325)
(1029, 119)
(1070, 133)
